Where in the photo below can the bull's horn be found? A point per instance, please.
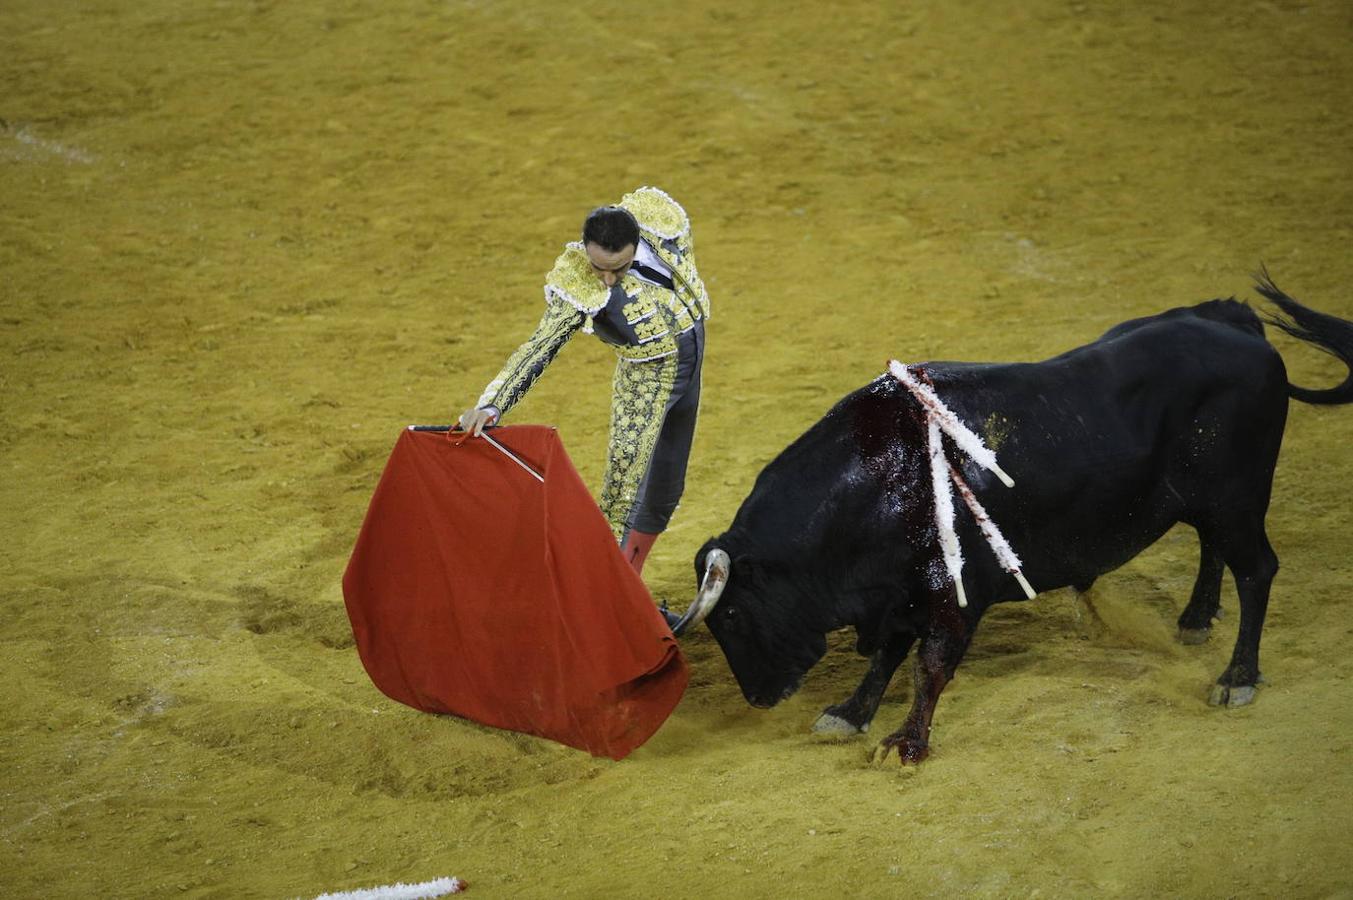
(711, 587)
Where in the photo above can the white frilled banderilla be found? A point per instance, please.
(945, 478)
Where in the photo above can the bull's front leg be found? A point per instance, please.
(853, 716)
(942, 647)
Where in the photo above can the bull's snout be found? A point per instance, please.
(768, 695)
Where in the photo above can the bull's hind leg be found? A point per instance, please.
(1253, 563)
(853, 716)
(1195, 622)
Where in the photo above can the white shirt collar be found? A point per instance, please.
(644, 256)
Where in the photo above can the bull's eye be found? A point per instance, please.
(729, 620)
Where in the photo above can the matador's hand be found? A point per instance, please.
(475, 420)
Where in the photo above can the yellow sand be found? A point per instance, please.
(243, 243)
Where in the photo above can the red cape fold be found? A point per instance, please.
(478, 591)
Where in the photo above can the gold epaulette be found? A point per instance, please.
(573, 281)
(658, 214)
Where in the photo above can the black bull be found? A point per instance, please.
(1172, 418)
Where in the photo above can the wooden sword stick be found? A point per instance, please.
(485, 435)
(512, 456)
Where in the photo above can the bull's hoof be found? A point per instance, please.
(1194, 635)
(1232, 696)
(830, 726)
(909, 752)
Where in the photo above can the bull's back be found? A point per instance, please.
(1112, 443)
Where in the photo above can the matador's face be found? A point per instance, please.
(610, 265)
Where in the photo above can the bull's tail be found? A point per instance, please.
(1330, 333)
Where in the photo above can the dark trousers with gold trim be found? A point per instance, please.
(653, 411)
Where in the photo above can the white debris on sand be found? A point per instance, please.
(33, 148)
(437, 888)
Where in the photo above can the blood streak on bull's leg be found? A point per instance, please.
(942, 648)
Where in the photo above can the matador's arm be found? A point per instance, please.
(528, 361)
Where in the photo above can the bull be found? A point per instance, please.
(1176, 417)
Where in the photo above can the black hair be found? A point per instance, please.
(612, 228)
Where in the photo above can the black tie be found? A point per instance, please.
(652, 275)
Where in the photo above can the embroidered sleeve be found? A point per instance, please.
(529, 360)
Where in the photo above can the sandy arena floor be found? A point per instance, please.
(244, 242)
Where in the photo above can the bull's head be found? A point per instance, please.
(768, 644)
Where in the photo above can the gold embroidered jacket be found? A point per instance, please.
(639, 319)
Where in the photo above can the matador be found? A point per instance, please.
(632, 282)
